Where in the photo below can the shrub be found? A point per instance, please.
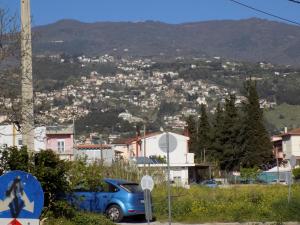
(90, 219)
(80, 218)
(296, 173)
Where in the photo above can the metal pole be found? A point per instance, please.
(169, 187)
(290, 185)
(148, 204)
(27, 89)
(145, 148)
(277, 163)
(101, 150)
(74, 142)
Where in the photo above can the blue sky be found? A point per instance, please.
(169, 11)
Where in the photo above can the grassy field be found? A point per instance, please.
(283, 116)
(257, 203)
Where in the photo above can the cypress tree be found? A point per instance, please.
(230, 159)
(255, 141)
(203, 134)
(192, 132)
(216, 148)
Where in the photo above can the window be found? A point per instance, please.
(106, 187)
(20, 142)
(132, 187)
(61, 146)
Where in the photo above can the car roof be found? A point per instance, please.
(118, 181)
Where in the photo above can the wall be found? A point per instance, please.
(179, 156)
(52, 140)
(287, 146)
(295, 145)
(122, 148)
(95, 155)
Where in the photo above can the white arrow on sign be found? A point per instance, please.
(4, 204)
(29, 206)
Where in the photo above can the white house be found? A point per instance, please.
(291, 144)
(151, 148)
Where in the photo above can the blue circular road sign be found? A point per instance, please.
(21, 196)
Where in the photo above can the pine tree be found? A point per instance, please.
(203, 134)
(216, 148)
(230, 158)
(192, 132)
(255, 141)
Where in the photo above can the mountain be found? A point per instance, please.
(250, 40)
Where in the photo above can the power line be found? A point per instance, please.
(267, 13)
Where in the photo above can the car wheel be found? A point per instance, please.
(114, 213)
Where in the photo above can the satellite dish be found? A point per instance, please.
(163, 142)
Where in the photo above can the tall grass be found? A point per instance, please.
(255, 203)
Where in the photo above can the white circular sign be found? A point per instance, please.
(147, 183)
(163, 142)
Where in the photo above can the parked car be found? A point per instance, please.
(209, 183)
(116, 198)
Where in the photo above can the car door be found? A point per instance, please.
(83, 200)
(104, 196)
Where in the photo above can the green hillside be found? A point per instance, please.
(282, 116)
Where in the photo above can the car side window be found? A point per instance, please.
(109, 188)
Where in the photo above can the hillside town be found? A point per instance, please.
(132, 85)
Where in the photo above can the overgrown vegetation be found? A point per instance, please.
(255, 203)
(296, 173)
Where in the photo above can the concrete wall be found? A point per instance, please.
(291, 146)
(95, 155)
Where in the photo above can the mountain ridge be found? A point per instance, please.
(248, 39)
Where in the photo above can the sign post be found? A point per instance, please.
(21, 199)
(292, 164)
(168, 143)
(147, 185)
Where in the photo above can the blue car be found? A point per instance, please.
(115, 198)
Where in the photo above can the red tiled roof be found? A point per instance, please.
(92, 146)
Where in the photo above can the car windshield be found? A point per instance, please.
(132, 187)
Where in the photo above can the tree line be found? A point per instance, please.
(235, 136)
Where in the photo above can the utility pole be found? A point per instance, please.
(169, 179)
(27, 88)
